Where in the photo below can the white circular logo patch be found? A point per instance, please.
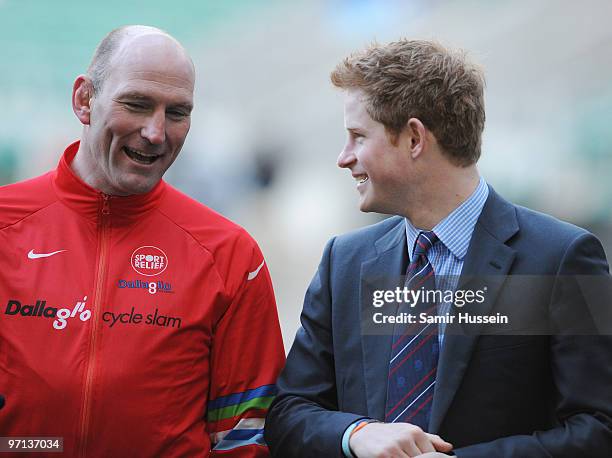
(149, 261)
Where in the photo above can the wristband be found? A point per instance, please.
(360, 425)
(345, 440)
(352, 429)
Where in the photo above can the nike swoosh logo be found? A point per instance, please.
(253, 274)
(32, 255)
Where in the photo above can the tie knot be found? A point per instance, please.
(424, 242)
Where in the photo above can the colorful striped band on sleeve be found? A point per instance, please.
(241, 416)
(248, 431)
(234, 405)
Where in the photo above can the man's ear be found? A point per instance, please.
(82, 94)
(417, 137)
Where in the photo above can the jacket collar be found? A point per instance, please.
(89, 202)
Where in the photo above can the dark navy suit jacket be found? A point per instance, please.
(542, 393)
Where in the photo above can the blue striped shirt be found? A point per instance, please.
(454, 232)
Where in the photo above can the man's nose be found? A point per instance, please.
(154, 129)
(346, 158)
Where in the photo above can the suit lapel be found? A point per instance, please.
(389, 262)
(488, 260)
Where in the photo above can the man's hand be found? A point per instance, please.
(432, 455)
(396, 440)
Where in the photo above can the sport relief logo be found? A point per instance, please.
(40, 309)
(149, 261)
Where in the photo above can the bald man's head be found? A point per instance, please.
(113, 43)
(135, 107)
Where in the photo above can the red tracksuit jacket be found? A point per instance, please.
(132, 326)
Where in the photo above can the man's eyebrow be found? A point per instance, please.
(138, 96)
(132, 95)
(185, 106)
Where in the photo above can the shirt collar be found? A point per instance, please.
(455, 230)
(88, 202)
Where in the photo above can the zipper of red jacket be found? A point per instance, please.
(96, 306)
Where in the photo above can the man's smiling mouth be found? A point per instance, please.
(139, 156)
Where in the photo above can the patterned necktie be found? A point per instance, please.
(415, 348)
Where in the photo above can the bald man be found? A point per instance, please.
(134, 321)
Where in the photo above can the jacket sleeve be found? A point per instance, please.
(246, 357)
(580, 353)
(304, 420)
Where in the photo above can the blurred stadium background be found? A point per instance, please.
(268, 126)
